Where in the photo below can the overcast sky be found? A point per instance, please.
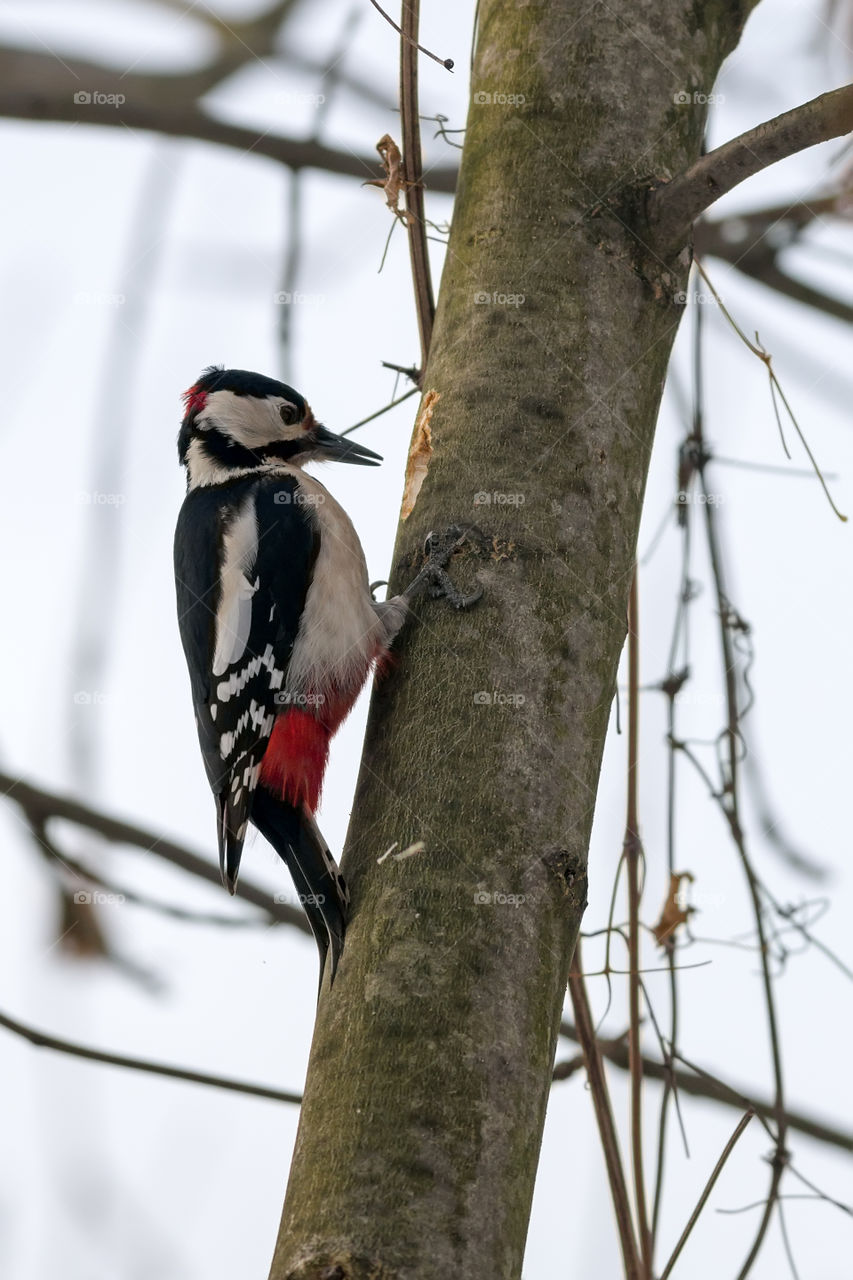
(128, 264)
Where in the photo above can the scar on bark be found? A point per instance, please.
(420, 455)
(569, 871)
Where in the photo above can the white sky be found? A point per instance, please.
(109, 1175)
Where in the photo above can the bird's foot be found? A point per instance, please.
(434, 578)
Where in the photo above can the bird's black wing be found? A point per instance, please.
(244, 555)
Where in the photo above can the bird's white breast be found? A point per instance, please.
(340, 633)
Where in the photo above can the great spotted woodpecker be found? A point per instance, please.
(279, 626)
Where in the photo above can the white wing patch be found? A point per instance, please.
(237, 681)
(234, 614)
(255, 716)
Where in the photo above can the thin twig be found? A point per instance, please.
(414, 191)
(633, 850)
(775, 388)
(698, 1083)
(410, 371)
(672, 686)
(730, 804)
(44, 1041)
(40, 805)
(709, 1186)
(447, 63)
(364, 421)
(604, 1117)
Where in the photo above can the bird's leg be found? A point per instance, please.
(434, 578)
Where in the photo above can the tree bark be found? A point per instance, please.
(432, 1055)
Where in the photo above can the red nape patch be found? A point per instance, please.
(194, 400)
(295, 759)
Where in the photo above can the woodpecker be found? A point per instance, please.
(277, 620)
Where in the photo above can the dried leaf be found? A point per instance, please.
(674, 911)
(395, 174)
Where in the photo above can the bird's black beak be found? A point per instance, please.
(339, 449)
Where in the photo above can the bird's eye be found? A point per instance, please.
(290, 415)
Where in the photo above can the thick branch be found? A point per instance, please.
(35, 86)
(674, 207)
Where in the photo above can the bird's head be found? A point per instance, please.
(235, 420)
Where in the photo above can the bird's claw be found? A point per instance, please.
(434, 578)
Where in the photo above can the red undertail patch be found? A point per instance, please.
(295, 759)
(298, 750)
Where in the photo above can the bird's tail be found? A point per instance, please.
(231, 832)
(294, 835)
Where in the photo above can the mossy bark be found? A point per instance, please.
(432, 1055)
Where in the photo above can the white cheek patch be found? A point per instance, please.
(234, 614)
(251, 421)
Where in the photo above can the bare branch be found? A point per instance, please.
(752, 243)
(709, 1186)
(675, 206)
(43, 1041)
(632, 852)
(391, 405)
(730, 624)
(603, 1114)
(414, 191)
(411, 38)
(709, 1087)
(37, 87)
(40, 806)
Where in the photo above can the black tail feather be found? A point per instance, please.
(296, 839)
(230, 843)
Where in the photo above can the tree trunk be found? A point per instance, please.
(431, 1062)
